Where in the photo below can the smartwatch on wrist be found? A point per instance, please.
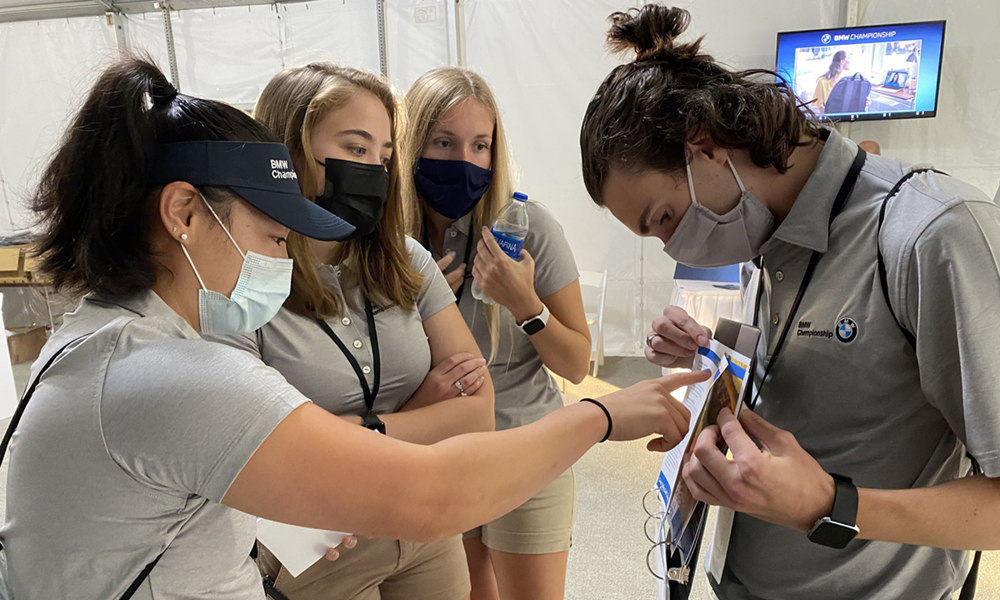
(837, 530)
(371, 421)
(535, 324)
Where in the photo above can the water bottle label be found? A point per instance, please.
(509, 244)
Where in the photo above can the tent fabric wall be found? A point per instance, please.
(421, 37)
(544, 60)
(964, 139)
(226, 53)
(231, 53)
(45, 68)
(221, 53)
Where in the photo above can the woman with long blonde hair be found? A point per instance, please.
(462, 176)
(367, 319)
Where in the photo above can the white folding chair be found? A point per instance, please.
(594, 287)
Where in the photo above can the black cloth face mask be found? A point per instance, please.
(355, 192)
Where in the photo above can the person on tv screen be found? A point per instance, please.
(824, 85)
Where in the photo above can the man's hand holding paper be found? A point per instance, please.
(778, 482)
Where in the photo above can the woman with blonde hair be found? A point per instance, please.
(462, 177)
(367, 319)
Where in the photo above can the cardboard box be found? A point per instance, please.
(25, 343)
(10, 259)
(18, 266)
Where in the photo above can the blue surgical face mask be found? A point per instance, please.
(452, 188)
(261, 290)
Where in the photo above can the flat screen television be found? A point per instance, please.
(865, 73)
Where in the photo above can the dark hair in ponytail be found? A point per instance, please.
(836, 65)
(642, 114)
(95, 205)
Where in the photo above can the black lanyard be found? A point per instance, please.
(468, 256)
(838, 205)
(370, 393)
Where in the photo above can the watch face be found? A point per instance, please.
(533, 326)
(833, 534)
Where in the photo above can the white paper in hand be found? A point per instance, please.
(298, 548)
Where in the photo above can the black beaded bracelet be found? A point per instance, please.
(606, 414)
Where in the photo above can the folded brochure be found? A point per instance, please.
(729, 374)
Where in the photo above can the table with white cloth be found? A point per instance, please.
(707, 302)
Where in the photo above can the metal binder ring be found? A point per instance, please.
(646, 500)
(645, 526)
(649, 555)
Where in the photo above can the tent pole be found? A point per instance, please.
(118, 21)
(460, 31)
(168, 32)
(383, 52)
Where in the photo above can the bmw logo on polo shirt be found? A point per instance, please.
(847, 330)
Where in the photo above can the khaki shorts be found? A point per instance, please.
(542, 525)
(379, 569)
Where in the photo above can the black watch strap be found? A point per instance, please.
(845, 500)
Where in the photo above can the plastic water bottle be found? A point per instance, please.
(510, 229)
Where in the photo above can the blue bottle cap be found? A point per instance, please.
(520, 196)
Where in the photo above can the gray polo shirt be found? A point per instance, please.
(128, 446)
(524, 390)
(301, 351)
(867, 406)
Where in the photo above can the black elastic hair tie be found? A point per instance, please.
(165, 95)
(606, 414)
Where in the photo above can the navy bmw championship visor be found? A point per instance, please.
(259, 172)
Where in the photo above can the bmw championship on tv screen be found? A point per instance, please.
(865, 73)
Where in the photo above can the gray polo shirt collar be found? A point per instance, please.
(808, 223)
(149, 304)
(462, 225)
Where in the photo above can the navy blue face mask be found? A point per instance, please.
(452, 188)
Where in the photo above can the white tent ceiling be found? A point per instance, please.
(35, 10)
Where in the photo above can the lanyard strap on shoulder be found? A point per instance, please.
(370, 392)
(838, 205)
(969, 587)
(16, 419)
(882, 271)
(23, 404)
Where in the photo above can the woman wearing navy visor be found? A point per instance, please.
(462, 177)
(877, 373)
(144, 450)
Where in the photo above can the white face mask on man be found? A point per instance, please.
(706, 240)
(261, 290)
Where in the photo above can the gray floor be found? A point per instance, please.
(608, 559)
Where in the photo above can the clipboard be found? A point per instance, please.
(682, 562)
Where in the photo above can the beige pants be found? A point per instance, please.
(542, 525)
(379, 570)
